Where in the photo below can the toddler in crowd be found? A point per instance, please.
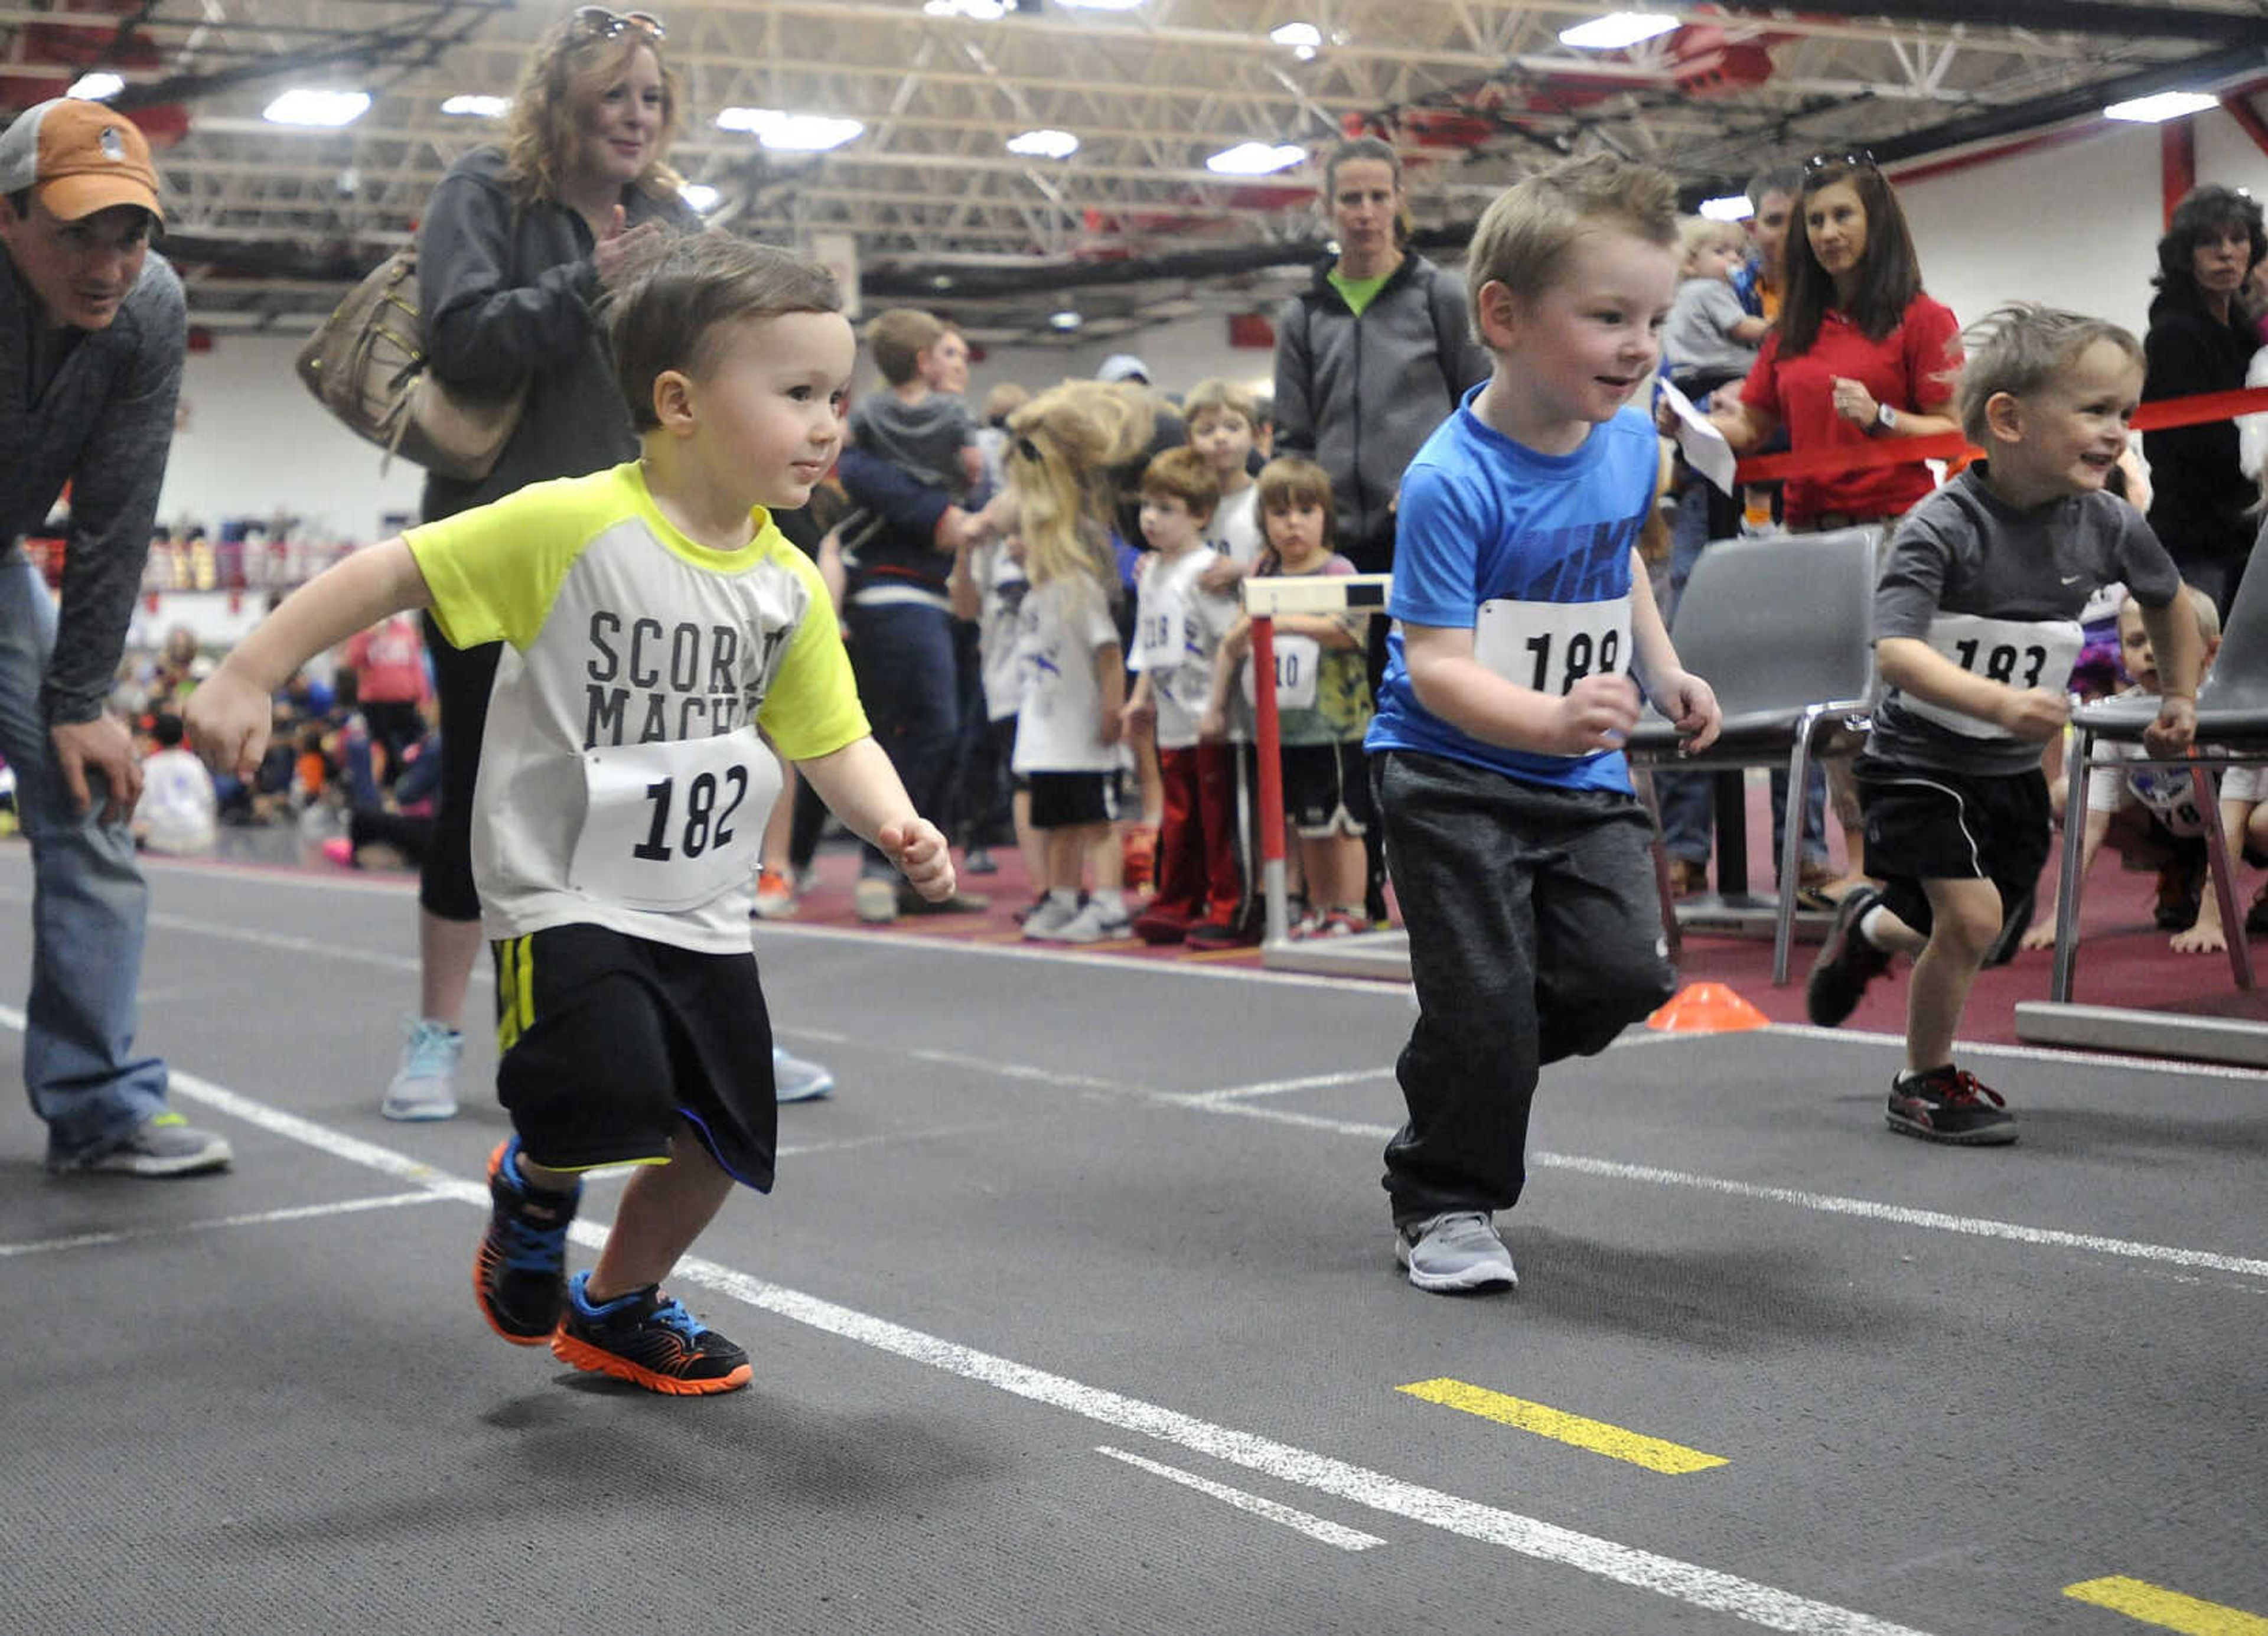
(1976, 630)
(1178, 627)
(1069, 719)
(1222, 420)
(1711, 338)
(623, 784)
(924, 430)
(179, 814)
(2148, 810)
(1322, 700)
(1521, 859)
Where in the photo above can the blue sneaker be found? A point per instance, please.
(520, 1274)
(796, 1079)
(425, 1086)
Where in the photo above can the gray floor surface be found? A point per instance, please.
(1075, 1310)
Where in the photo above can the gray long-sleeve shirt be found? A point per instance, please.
(100, 419)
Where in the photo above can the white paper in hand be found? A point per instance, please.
(1704, 447)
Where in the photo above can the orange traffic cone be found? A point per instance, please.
(1706, 1009)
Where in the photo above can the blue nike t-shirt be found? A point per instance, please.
(1483, 519)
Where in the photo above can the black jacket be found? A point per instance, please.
(2200, 493)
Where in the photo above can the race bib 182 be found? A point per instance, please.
(669, 826)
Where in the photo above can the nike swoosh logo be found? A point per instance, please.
(2073, 578)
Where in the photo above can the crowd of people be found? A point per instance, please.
(711, 590)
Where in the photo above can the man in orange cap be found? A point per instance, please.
(93, 333)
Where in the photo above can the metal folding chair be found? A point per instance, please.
(1782, 628)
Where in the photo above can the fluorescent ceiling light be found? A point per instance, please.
(975, 11)
(303, 107)
(1616, 30)
(469, 106)
(1255, 158)
(96, 87)
(1065, 321)
(1297, 34)
(1732, 208)
(1046, 143)
(2165, 105)
(791, 133)
(700, 196)
(1100, 5)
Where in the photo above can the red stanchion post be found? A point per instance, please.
(1267, 752)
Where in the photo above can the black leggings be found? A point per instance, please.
(462, 678)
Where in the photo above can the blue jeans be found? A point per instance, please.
(902, 655)
(89, 908)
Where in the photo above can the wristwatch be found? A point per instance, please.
(1886, 419)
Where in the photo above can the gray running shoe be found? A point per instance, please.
(163, 1144)
(797, 1080)
(1047, 919)
(1094, 924)
(1456, 1250)
(425, 1086)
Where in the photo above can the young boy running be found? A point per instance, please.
(1520, 856)
(656, 618)
(1975, 629)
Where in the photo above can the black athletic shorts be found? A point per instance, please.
(1327, 789)
(609, 1045)
(1064, 801)
(1923, 824)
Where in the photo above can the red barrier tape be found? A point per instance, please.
(2166, 413)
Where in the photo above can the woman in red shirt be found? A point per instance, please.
(1860, 354)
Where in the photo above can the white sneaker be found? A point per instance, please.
(1044, 923)
(1094, 924)
(874, 900)
(1456, 1250)
(425, 1086)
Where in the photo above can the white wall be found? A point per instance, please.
(2076, 225)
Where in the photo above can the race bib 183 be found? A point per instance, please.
(669, 826)
(2020, 653)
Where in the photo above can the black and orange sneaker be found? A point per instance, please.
(520, 1272)
(649, 1340)
(1948, 1104)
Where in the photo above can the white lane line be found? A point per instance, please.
(258, 1218)
(2022, 1053)
(1314, 1527)
(1687, 1582)
(1277, 1088)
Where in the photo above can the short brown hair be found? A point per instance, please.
(1186, 475)
(1524, 236)
(667, 316)
(2021, 349)
(898, 337)
(1288, 480)
(1213, 396)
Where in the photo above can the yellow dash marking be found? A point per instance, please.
(1672, 1459)
(2169, 1610)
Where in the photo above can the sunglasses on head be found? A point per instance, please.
(1854, 159)
(597, 22)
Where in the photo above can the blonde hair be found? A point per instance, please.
(1696, 233)
(1187, 476)
(1216, 396)
(1065, 445)
(1524, 236)
(2021, 349)
(898, 337)
(2208, 616)
(1003, 400)
(567, 71)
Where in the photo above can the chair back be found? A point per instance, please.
(1783, 620)
(2238, 680)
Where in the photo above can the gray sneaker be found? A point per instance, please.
(797, 1080)
(1094, 924)
(164, 1144)
(425, 1086)
(1044, 923)
(1456, 1250)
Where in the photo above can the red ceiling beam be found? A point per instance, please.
(2176, 163)
(2238, 105)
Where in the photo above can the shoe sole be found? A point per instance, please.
(819, 1094)
(416, 1113)
(1472, 1283)
(195, 1164)
(595, 1360)
(1990, 1136)
(1831, 952)
(481, 1282)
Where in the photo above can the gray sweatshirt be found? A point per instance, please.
(93, 409)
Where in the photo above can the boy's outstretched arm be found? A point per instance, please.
(1690, 702)
(861, 788)
(228, 715)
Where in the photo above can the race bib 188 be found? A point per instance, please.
(1550, 647)
(669, 826)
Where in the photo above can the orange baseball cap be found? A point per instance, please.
(81, 157)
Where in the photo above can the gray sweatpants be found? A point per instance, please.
(1535, 933)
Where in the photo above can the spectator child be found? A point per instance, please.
(924, 431)
(1710, 338)
(1975, 629)
(1521, 858)
(1178, 626)
(1322, 699)
(1222, 422)
(179, 814)
(1068, 723)
(621, 798)
(2148, 812)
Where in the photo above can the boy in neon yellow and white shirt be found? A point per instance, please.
(654, 620)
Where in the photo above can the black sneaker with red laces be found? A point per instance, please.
(1948, 1104)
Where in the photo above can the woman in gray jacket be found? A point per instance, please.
(515, 248)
